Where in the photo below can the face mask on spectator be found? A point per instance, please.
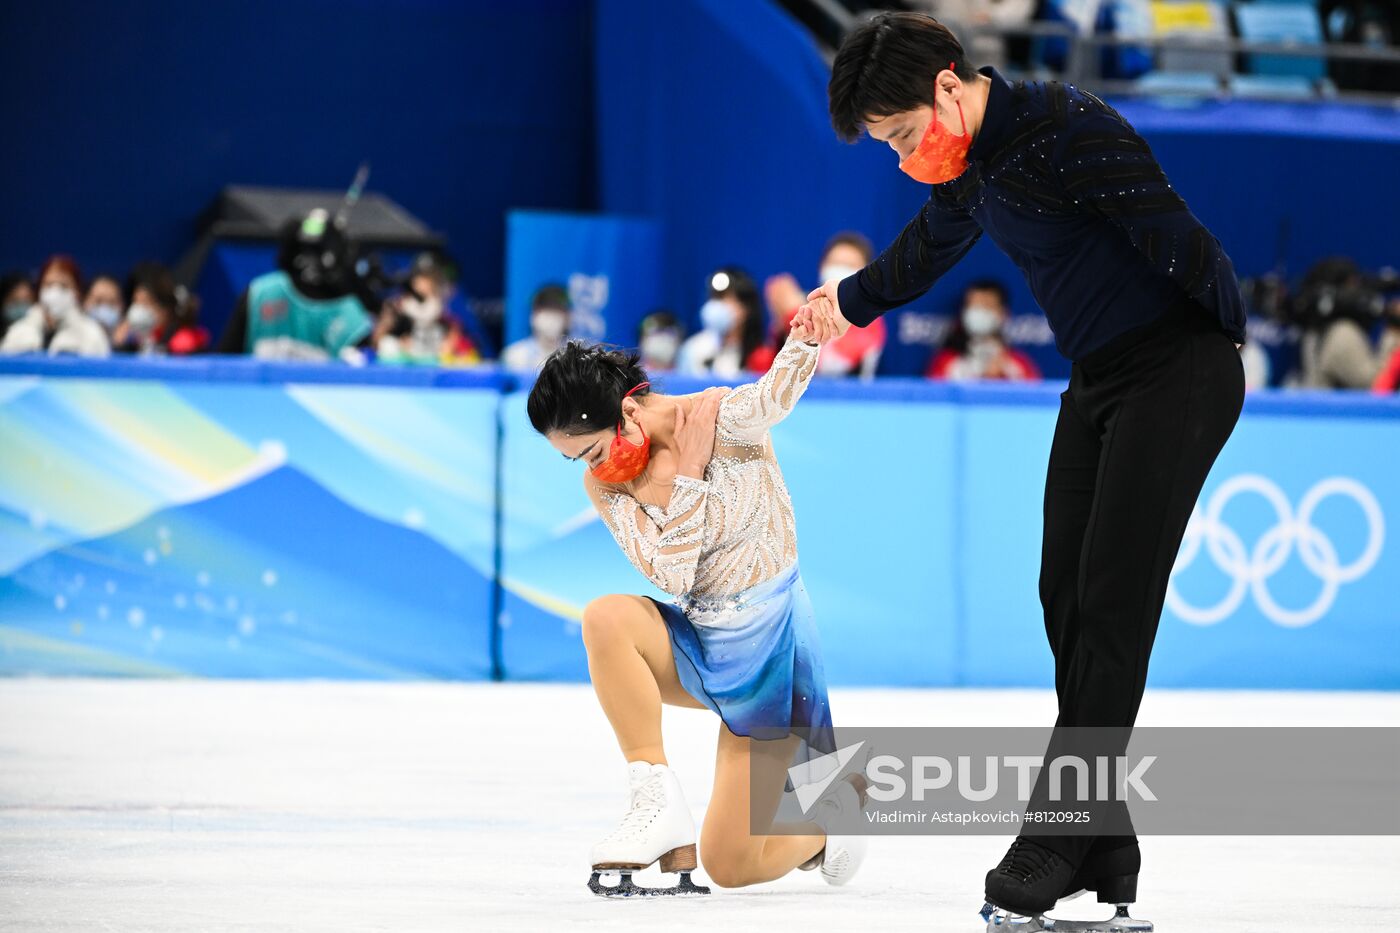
(422, 312)
(549, 325)
(142, 318)
(109, 316)
(660, 347)
(716, 316)
(16, 310)
(834, 270)
(59, 299)
(980, 321)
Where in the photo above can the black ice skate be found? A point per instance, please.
(1031, 879)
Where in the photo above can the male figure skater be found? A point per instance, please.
(1141, 298)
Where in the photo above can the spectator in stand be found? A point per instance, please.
(456, 305)
(57, 322)
(964, 17)
(103, 302)
(856, 352)
(1257, 368)
(16, 298)
(549, 326)
(1388, 379)
(659, 341)
(308, 309)
(733, 337)
(976, 346)
(416, 327)
(1375, 23)
(163, 317)
(1339, 312)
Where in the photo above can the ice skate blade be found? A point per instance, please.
(626, 888)
(1002, 921)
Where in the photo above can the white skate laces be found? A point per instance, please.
(647, 802)
(657, 826)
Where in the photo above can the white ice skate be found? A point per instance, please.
(1001, 921)
(658, 826)
(840, 859)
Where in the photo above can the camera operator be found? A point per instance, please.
(1338, 308)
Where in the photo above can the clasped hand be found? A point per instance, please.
(820, 319)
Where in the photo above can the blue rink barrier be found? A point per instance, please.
(224, 517)
(229, 518)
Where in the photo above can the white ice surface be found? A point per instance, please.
(206, 805)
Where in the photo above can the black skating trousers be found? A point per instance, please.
(1139, 427)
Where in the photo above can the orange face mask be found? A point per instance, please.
(940, 156)
(625, 459)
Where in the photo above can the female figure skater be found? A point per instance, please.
(690, 488)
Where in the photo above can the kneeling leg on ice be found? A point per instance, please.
(658, 827)
(741, 843)
(633, 670)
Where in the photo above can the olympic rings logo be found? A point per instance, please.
(1250, 570)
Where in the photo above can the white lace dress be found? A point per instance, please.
(742, 628)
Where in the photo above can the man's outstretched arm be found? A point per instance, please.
(930, 245)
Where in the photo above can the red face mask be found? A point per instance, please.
(940, 156)
(625, 459)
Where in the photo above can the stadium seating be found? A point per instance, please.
(1282, 21)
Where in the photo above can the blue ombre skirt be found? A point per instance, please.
(755, 659)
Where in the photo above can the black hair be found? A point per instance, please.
(990, 285)
(8, 283)
(1334, 289)
(552, 295)
(886, 65)
(660, 319)
(156, 279)
(435, 264)
(178, 302)
(850, 238)
(13, 280)
(104, 276)
(743, 289)
(957, 338)
(580, 387)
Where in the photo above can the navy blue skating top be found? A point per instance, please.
(1075, 197)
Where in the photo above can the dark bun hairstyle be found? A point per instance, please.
(742, 288)
(578, 380)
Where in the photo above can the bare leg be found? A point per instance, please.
(633, 671)
(731, 855)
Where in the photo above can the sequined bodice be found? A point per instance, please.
(735, 529)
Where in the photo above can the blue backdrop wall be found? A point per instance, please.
(705, 116)
(126, 119)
